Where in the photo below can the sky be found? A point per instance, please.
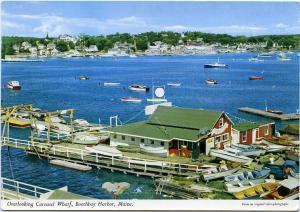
(37, 18)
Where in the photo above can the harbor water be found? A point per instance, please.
(53, 84)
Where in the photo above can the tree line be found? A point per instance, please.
(142, 40)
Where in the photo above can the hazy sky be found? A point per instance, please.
(94, 18)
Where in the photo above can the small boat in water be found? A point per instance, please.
(265, 55)
(288, 189)
(221, 171)
(230, 156)
(83, 78)
(256, 191)
(174, 84)
(157, 100)
(14, 85)
(255, 59)
(215, 65)
(138, 88)
(111, 84)
(279, 112)
(211, 82)
(105, 150)
(131, 99)
(283, 57)
(255, 78)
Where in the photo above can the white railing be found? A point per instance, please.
(85, 155)
(20, 190)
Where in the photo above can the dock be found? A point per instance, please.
(70, 165)
(282, 117)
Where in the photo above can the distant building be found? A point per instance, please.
(67, 38)
(33, 51)
(51, 46)
(25, 45)
(92, 48)
(41, 46)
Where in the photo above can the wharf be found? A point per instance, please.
(125, 164)
(282, 117)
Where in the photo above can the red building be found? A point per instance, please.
(251, 133)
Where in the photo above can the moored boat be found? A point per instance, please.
(240, 186)
(157, 100)
(211, 81)
(138, 88)
(255, 78)
(230, 156)
(220, 171)
(215, 65)
(105, 150)
(174, 84)
(247, 150)
(255, 59)
(255, 191)
(84, 78)
(111, 83)
(14, 85)
(19, 122)
(248, 175)
(288, 189)
(131, 99)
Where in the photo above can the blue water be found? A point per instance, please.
(51, 85)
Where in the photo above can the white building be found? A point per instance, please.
(67, 38)
(26, 45)
(92, 48)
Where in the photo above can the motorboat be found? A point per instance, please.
(221, 171)
(105, 150)
(14, 85)
(83, 78)
(230, 156)
(279, 112)
(138, 88)
(131, 99)
(215, 65)
(85, 138)
(255, 78)
(211, 82)
(174, 84)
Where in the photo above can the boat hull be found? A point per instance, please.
(212, 176)
(230, 157)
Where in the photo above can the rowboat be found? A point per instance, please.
(256, 191)
(153, 150)
(240, 186)
(85, 138)
(138, 88)
(130, 99)
(247, 150)
(111, 83)
(231, 156)
(173, 84)
(19, 122)
(220, 171)
(271, 147)
(248, 175)
(105, 150)
(14, 85)
(255, 78)
(211, 81)
(288, 189)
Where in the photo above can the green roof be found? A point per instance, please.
(60, 194)
(291, 129)
(184, 118)
(246, 126)
(167, 133)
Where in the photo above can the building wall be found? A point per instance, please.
(261, 134)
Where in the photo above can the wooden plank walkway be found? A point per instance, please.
(282, 117)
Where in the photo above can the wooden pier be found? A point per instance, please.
(282, 117)
(130, 165)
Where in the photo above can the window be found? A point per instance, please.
(132, 138)
(225, 137)
(142, 140)
(115, 136)
(244, 135)
(221, 122)
(162, 143)
(152, 141)
(218, 138)
(123, 137)
(266, 130)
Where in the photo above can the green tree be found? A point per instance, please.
(62, 46)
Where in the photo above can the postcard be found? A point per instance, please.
(150, 105)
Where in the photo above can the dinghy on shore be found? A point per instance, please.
(105, 150)
(220, 171)
(230, 156)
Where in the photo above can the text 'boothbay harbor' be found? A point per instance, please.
(192, 153)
